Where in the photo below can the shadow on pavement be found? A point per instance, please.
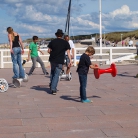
(125, 75)
(94, 96)
(42, 88)
(75, 98)
(68, 97)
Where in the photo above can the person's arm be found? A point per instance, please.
(49, 50)
(72, 50)
(49, 47)
(94, 66)
(29, 53)
(40, 51)
(10, 42)
(20, 40)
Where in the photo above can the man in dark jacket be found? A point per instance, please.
(57, 49)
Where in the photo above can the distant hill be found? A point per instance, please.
(113, 36)
(116, 36)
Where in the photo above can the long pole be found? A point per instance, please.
(104, 38)
(121, 39)
(68, 19)
(100, 12)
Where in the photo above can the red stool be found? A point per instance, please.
(111, 70)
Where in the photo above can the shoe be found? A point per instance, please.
(29, 74)
(46, 73)
(62, 72)
(54, 92)
(86, 101)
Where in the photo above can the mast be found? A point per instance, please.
(100, 16)
(68, 19)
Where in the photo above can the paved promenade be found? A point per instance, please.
(33, 112)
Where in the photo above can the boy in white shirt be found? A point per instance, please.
(66, 37)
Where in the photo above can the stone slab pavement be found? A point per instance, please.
(31, 111)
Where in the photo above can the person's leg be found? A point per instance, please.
(55, 72)
(21, 69)
(67, 63)
(53, 66)
(14, 61)
(63, 72)
(83, 83)
(39, 60)
(33, 65)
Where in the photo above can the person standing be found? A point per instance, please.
(16, 49)
(33, 51)
(57, 49)
(83, 68)
(66, 37)
(123, 42)
(130, 43)
(126, 43)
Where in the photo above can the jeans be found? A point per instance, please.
(83, 84)
(54, 76)
(17, 65)
(39, 60)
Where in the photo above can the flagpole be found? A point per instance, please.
(100, 16)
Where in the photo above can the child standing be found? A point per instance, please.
(33, 51)
(83, 68)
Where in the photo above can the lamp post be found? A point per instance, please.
(100, 7)
(104, 38)
(121, 39)
(100, 12)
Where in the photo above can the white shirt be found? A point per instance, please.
(71, 46)
(130, 42)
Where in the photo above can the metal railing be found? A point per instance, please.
(108, 53)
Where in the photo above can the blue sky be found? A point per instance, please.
(44, 17)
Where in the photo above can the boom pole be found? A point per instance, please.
(68, 19)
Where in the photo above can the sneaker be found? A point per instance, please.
(62, 72)
(46, 73)
(54, 92)
(86, 101)
(29, 74)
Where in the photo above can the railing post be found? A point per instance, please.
(1, 58)
(75, 57)
(110, 55)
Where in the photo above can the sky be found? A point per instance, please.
(44, 17)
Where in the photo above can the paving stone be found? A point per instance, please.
(31, 111)
(10, 122)
(17, 135)
(68, 134)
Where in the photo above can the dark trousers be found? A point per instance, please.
(54, 76)
(83, 84)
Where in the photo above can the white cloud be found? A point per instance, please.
(44, 17)
(32, 28)
(124, 10)
(32, 14)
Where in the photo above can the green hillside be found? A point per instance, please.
(113, 36)
(116, 36)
